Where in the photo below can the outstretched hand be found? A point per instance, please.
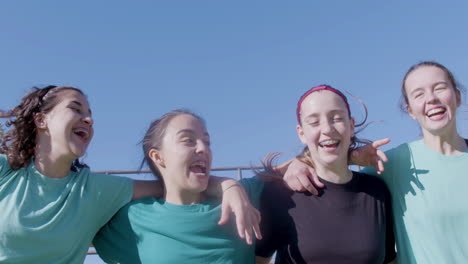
(370, 155)
(300, 177)
(235, 200)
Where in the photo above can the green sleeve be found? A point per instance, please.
(112, 193)
(116, 242)
(396, 157)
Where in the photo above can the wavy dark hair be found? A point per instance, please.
(19, 142)
(270, 160)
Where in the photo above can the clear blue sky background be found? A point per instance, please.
(242, 65)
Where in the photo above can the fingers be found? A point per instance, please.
(246, 216)
(380, 142)
(295, 185)
(307, 184)
(256, 226)
(382, 155)
(381, 158)
(315, 178)
(380, 166)
(252, 225)
(241, 225)
(248, 236)
(258, 233)
(225, 213)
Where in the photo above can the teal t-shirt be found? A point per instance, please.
(151, 230)
(430, 203)
(46, 220)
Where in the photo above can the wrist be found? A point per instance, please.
(228, 184)
(233, 185)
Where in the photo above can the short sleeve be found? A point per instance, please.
(396, 157)
(111, 194)
(116, 242)
(253, 186)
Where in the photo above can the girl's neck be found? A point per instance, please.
(183, 197)
(50, 165)
(337, 174)
(449, 144)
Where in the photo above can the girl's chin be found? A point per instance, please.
(199, 186)
(436, 128)
(332, 160)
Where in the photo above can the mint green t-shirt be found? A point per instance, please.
(46, 220)
(430, 203)
(151, 230)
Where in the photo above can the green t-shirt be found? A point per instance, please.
(46, 220)
(151, 230)
(429, 199)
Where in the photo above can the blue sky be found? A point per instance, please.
(242, 65)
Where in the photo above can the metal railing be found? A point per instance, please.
(239, 170)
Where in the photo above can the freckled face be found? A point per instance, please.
(326, 127)
(432, 100)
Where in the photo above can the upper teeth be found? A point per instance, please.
(199, 163)
(435, 111)
(81, 130)
(329, 142)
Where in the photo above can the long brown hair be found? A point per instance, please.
(19, 142)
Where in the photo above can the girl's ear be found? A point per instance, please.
(408, 109)
(458, 96)
(352, 126)
(157, 158)
(300, 134)
(40, 121)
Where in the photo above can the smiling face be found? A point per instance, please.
(432, 100)
(67, 129)
(184, 159)
(326, 128)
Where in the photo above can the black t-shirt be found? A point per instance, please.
(345, 223)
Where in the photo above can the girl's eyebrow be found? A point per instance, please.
(440, 82)
(339, 110)
(435, 84)
(190, 131)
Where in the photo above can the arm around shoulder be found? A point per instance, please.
(236, 200)
(147, 189)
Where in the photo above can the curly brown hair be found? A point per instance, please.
(19, 142)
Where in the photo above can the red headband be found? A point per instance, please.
(319, 88)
